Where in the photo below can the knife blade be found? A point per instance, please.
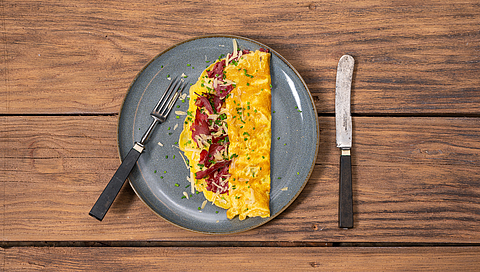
(343, 124)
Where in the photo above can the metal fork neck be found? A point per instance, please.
(149, 131)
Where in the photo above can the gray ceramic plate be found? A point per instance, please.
(159, 177)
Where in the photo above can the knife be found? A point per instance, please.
(343, 123)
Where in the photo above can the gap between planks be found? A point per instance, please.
(10, 244)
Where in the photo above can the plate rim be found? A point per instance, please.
(317, 144)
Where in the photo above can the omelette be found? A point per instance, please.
(226, 135)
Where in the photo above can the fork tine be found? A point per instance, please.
(179, 88)
(165, 95)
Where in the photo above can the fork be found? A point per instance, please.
(159, 114)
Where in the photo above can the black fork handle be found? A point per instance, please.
(112, 189)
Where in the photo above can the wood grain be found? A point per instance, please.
(66, 67)
(80, 56)
(415, 180)
(242, 259)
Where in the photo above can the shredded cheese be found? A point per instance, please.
(184, 161)
(227, 59)
(235, 48)
(227, 82)
(199, 141)
(214, 198)
(215, 83)
(208, 84)
(223, 110)
(191, 149)
(192, 183)
(218, 133)
(180, 113)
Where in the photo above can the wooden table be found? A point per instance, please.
(66, 67)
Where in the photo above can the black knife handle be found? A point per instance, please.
(345, 207)
(112, 189)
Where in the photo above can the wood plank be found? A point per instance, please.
(415, 180)
(71, 57)
(242, 259)
(3, 169)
